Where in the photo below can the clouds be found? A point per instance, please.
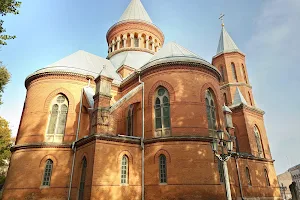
(273, 52)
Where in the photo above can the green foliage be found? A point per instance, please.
(4, 78)
(5, 142)
(6, 7)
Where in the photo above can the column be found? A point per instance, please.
(147, 42)
(118, 42)
(140, 40)
(124, 41)
(113, 43)
(131, 40)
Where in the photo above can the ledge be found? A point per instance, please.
(178, 138)
(39, 145)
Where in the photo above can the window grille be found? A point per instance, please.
(47, 173)
(124, 170)
(162, 169)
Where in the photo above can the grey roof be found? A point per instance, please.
(82, 62)
(173, 52)
(134, 59)
(89, 94)
(226, 43)
(226, 109)
(238, 98)
(135, 11)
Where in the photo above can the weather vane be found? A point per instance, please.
(222, 18)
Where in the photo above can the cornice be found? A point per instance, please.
(129, 49)
(251, 157)
(228, 53)
(178, 139)
(56, 74)
(143, 25)
(170, 66)
(235, 84)
(40, 145)
(248, 108)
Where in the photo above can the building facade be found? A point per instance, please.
(284, 181)
(139, 123)
(295, 173)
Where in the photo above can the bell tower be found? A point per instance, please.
(237, 95)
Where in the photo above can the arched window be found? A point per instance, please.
(222, 73)
(210, 110)
(162, 112)
(162, 169)
(244, 73)
(250, 99)
(258, 142)
(234, 72)
(221, 171)
(57, 119)
(130, 121)
(136, 41)
(124, 170)
(82, 179)
(248, 176)
(47, 173)
(225, 99)
(267, 177)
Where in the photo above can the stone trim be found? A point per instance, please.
(39, 145)
(111, 54)
(235, 84)
(249, 108)
(178, 138)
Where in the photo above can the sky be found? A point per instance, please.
(266, 31)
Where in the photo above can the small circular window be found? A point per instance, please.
(161, 92)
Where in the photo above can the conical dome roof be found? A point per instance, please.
(173, 52)
(135, 11)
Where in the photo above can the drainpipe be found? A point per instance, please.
(74, 147)
(142, 139)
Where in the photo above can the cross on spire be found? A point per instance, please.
(222, 18)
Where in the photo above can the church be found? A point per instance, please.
(140, 123)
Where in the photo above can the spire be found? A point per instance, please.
(135, 11)
(238, 98)
(226, 44)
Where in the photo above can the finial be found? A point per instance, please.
(221, 18)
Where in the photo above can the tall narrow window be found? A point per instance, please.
(162, 169)
(222, 73)
(210, 110)
(57, 119)
(225, 99)
(234, 72)
(244, 73)
(47, 173)
(130, 121)
(221, 171)
(136, 42)
(267, 177)
(82, 179)
(258, 142)
(162, 112)
(248, 176)
(124, 170)
(250, 99)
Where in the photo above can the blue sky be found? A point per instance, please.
(266, 31)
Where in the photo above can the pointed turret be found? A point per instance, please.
(135, 11)
(238, 98)
(226, 43)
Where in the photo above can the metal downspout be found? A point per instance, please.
(142, 139)
(73, 146)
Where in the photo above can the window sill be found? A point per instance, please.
(44, 187)
(163, 184)
(124, 185)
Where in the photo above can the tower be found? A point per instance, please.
(237, 94)
(134, 35)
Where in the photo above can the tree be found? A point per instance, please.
(4, 79)
(5, 144)
(6, 7)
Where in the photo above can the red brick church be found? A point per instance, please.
(139, 124)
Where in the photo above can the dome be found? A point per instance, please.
(173, 52)
(83, 63)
